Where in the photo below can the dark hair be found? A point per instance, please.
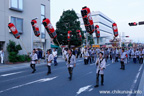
(34, 50)
(49, 50)
(101, 53)
(123, 49)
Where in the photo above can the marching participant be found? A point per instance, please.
(113, 55)
(86, 55)
(123, 56)
(71, 62)
(140, 56)
(133, 55)
(143, 54)
(55, 57)
(101, 65)
(117, 55)
(137, 54)
(106, 54)
(49, 60)
(34, 59)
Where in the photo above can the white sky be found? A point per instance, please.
(121, 11)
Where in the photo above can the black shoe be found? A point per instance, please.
(70, 78)
(48, 73)
(120, 68)
(102, 84)
(33, 71)
(96, 86)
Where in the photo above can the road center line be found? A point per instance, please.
(11, 74)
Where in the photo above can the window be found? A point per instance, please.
(18, 22)
(42, 17)
(16, 5)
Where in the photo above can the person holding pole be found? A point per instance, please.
(49, 60)
(101, 65)
(71, 62)
(34, 59)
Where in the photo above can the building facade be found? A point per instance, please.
(105, 27)
(21, 12)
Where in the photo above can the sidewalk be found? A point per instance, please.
(9, 67)
(141, 85)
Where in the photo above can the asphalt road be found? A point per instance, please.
(117, 82)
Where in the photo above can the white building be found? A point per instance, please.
(21, 12)
(105, 26)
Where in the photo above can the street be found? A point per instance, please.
(21, 82)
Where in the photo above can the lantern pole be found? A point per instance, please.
(23, 45)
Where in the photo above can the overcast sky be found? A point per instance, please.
(121, 11)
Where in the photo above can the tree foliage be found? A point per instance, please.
(68, 22)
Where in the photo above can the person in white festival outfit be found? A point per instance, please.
(49, 60)
(2, 56)
(34, 59)
(101, 65)
(71, 62)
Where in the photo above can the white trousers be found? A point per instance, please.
(1, 59)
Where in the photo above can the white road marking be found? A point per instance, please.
(89, 73)
(80, 60)
(11, 74)
(107, 64)
(37, 81)
(140, 68)
(82, 89)
(90, 89)
(135, 80)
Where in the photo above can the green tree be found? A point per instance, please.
(90, 39)
(68, 21)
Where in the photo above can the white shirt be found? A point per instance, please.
(86, 54)
(100, 65)
(55, 53)
(72, 60)
(123, 56)
(1, 53)
(133, 54)
(34, 57)
(143, 52)
(49, 58)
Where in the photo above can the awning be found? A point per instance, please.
(54, 46)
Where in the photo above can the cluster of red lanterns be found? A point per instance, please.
(88, 22)
(89, 25)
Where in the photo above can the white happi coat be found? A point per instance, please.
(72, 60)
(133, 54)
(100, 65)
(50, 57)
(34, 57)
(86, 54)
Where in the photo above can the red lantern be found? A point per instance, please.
(79, 35)
(48, 26)
(115, 29)
(14, 30)
(69, 36)
(97, 31)
(35, 27)
(87, 18)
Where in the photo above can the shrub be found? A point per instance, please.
(12, 57)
